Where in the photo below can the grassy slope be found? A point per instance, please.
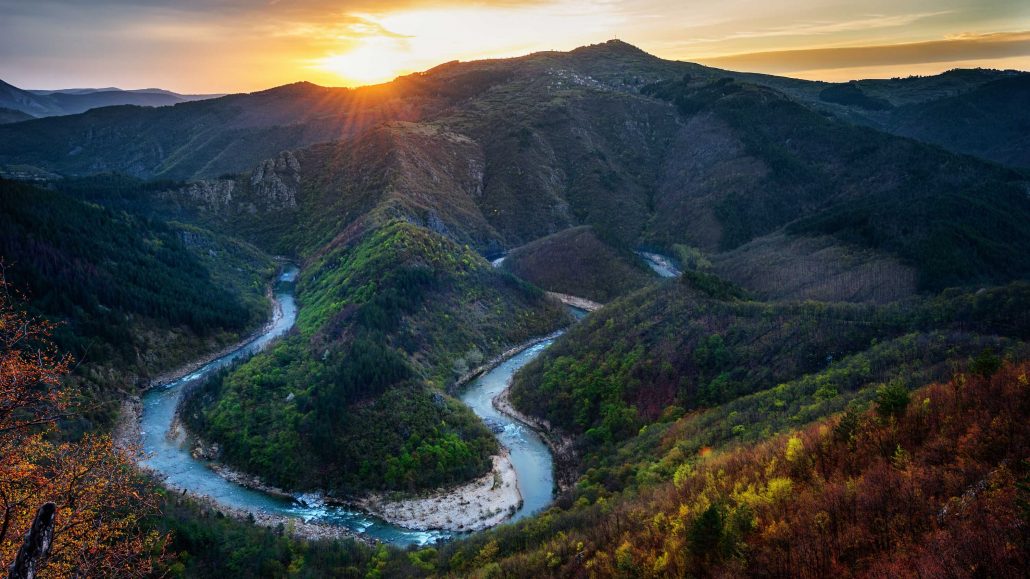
(576, 262)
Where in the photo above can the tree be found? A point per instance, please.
(985, 364)
(99, 498)
(706, 531)
(891, 399)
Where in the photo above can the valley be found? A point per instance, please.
(569, 314)
(524, 466)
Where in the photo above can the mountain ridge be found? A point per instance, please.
(45, 103)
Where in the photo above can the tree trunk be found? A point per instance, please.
(37, 544)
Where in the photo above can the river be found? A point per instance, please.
(530, 456)
(660, 264)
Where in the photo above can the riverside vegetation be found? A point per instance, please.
(835, 385)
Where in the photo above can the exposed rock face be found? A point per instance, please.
(477, 170)
(212, 195)
(276, 181)
(273, 186)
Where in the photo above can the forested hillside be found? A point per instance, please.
(680, 346)
(133, 296)
(955, 220)
(356, 400)
(925, 482)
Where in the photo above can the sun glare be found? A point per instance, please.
(375, 60)
(411, 40)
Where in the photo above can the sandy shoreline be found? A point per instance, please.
(483, 503)
(576, 301)
(562, 446)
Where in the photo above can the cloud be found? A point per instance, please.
(819, 27)
(964, 47)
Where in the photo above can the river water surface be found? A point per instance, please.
(169, 458)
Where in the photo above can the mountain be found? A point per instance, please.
(977, 112)
(80, 91)
(45, 103)
(752, 161)
(990, 121)
(737, 171)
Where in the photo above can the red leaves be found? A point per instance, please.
(96, 487)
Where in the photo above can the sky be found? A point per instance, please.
(221, 46)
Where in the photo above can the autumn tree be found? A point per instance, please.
(100, 498)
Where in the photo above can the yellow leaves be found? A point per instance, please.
(624, 559)
(683, 472)
(661, 563)
(779, 489)
(795, 450)
(776, 490)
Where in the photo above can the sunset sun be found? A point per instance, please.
(375, 60)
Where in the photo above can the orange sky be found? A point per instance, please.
(244, 45)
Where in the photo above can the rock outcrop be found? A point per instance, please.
(276, 181)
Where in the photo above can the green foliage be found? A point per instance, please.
(348, 402)
(207, 543)
(759, 368)
(985, 364)
(712, 285)
(851, 94)
(76, 255)
(706, 532)
(891, 399)
(136, 296)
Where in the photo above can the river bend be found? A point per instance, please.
(172, 460)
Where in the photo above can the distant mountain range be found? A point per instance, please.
(47, 103)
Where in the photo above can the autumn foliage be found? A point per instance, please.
(930, 483)
(99, 495)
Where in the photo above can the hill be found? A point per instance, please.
(692, 343)
(133, 297)
(989, 122)
(395, 308)
(575, 262)
(969, 111)
(356, 400)
(938, 464)
(13, 116)
(752, 161)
